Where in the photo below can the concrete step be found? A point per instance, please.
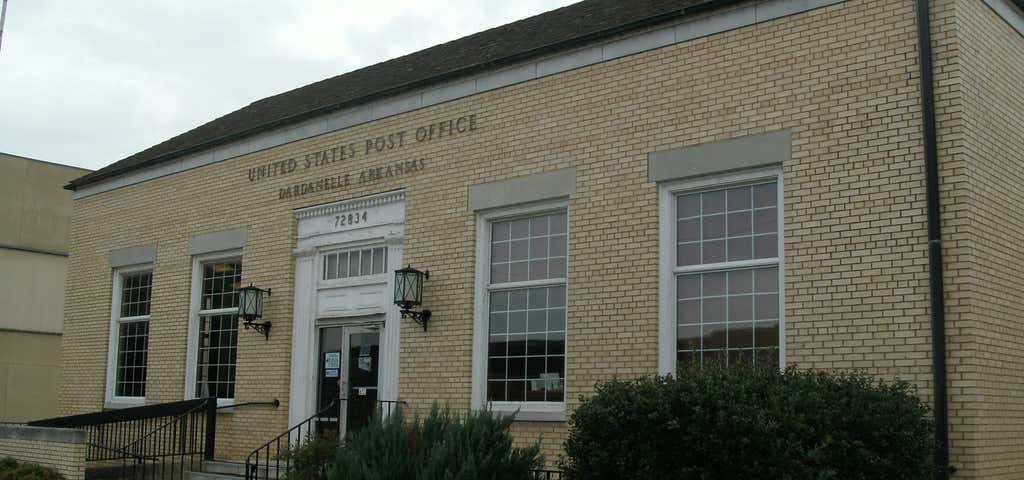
(210, 476)
(224, 467)
(228, 470)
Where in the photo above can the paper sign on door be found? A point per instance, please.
(365, 363)
(332, 360)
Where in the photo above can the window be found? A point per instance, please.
(130, 335)
(522, 285)
(358, 263)
(724, 272)
(217, 323)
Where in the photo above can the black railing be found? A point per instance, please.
(272, 403)
(271, 461)
(153, 442)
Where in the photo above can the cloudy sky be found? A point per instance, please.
(87, 83)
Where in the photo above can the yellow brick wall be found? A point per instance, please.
(844, 79)
(67, 458)
(989, 387)
(955, 217)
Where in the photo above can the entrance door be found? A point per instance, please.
(349, 374)
(360, 377)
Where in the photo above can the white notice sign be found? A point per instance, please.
(332, 360)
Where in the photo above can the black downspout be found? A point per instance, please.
(938, 307)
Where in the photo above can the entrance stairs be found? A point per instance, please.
(226, 470)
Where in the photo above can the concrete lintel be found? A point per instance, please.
(218, 241)
(515, 191)
(751, 151)
(122, 257)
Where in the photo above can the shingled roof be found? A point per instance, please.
(561, 29)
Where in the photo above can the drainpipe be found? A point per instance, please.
(931, 159)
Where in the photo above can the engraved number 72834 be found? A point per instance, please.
(350, 219)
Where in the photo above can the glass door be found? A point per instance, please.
(349, 366)
(360, 377)
(329, 379)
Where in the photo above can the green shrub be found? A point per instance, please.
(12, 470)
(443, 446)
(751, 423)
(310, 460)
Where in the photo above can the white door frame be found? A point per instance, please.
(319, 232)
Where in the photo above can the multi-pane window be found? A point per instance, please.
(218, 329)
(727, 225)
(729, 318)
(133, 334)
(527, 315)
(727, 276)
(528, 249)
(356, 263)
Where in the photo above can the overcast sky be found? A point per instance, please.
(87, 83)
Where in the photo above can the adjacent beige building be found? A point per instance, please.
(34, 216)
(608, 190)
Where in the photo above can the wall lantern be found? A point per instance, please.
(250, 308)
(409, 294)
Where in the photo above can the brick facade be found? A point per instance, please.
(843, 79)
(988, 386)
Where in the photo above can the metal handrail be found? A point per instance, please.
(163, 440)
(273, 403)
(252, 462)
(121, 415)
(257, 459)
(156, 430)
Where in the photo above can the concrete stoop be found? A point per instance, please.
(224, 470)
(211, 476)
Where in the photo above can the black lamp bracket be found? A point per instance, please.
(261, 327)
(421, 318)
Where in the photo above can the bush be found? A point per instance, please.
(441, 446)
(12, 470)
(311, 459)
(751, 423)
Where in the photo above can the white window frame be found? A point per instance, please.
(523, 411)
(349, 248)
(111, 400)
(192, 353)
(668, 270)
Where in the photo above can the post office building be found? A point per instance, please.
(607, 190)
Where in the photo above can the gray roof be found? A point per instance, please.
(557, 30)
